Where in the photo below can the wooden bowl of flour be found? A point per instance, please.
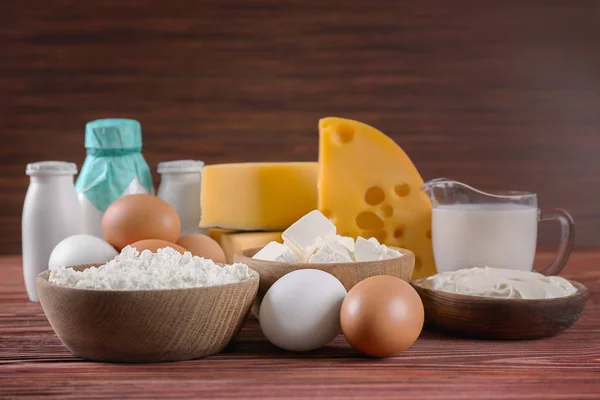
(146, 325)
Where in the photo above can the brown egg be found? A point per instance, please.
(137, 217)
(155, 244)
(203, 246)
(382, 316)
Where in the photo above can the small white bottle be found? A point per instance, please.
(180, 186)
(51, 213)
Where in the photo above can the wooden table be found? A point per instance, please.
(33, 362)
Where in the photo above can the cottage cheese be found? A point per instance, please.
(372, 250)
(314, 239)
(165, 269)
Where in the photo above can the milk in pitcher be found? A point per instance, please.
(473, 228)
(497, 235)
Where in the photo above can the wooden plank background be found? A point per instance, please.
(500, 94)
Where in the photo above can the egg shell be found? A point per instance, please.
(203, 246)
(81, 249)
(382, 316)
(301, 310)
(154, 244)
(137, 217)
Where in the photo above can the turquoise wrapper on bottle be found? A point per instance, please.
(114, 160)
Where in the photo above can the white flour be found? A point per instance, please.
(165, 269)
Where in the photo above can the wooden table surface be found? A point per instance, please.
(33, 362)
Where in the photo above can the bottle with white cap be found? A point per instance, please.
(51, 213)
(180, 187)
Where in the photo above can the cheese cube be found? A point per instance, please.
(346, 241)
(232, 241)
(306, 234)
(276, 252)
(372, 250)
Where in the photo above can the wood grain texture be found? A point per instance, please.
(34, 364)
(508, 319)
(145, 326)
(499, 94)
(347, 273)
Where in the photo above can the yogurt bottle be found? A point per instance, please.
(50, 214)
(114, 167)
(180, 186)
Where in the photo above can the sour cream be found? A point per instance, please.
(500, 283)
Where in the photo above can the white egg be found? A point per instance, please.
(301, 311)
(81, 249)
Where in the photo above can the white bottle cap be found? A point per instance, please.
(51, 168)
(180, 166)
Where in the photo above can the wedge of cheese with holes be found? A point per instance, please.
(232, 241)
(369, 187)
(257, 196)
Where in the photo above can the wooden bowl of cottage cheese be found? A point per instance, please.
(349, 273)
(489, 305)
(145, 325)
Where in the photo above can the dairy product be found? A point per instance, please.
(331, 252)
(50, 214)
(180, 187)
(313, 239)
(114, 167)
(257, 196)
(372, 250)
(369, 187)
(276, 252)
(305, 235)
(345, 241)
(232, 242)
(165, 269)
(497, 235)
(500, 283)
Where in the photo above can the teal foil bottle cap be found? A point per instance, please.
(113, 133)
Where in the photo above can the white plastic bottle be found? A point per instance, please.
(180, 186)
(51, 213)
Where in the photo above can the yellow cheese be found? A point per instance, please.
(257, 196)
(369, 187)
(232, 241)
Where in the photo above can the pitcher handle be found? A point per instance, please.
(567, 237)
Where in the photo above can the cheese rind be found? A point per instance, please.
(257, 196)
(233, 242)
(369, 187)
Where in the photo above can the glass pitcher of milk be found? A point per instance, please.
(472, 228)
